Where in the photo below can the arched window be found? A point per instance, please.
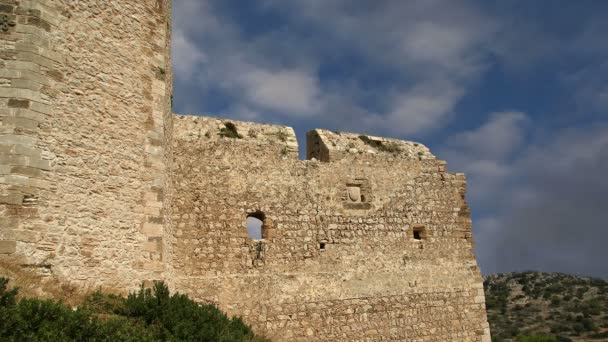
(255, 225)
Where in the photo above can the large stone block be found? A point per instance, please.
(18, 103)
(14, 199)
(8, 247)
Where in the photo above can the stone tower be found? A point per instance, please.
(85, 92)
(100, 184)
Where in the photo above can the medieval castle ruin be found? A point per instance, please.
(100, 183)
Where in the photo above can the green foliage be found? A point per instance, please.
(566, 306)
(379, 145)
(281, 134)
(563, 339)
(229, 131)
(181, 318)
(284, 151)
(599, 335)
(536, 338)
(7, 297)
(143, 316)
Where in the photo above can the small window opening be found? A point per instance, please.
(255, 225)
(419, 233)
(322, 246)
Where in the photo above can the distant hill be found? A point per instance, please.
(564, 307)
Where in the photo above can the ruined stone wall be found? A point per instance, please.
(370, 241)
(84, 108)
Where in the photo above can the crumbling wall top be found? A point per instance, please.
(321, 144)
(190, 127)
(325, 145)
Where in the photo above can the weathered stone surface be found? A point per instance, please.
(103, 184)
(8, 247)
(75, 145)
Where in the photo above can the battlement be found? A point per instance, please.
(321, 144)
(210, 129)
(329, 146)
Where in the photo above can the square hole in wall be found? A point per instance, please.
(321, 246)
(419, 232)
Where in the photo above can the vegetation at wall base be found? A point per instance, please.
(147, 315)
(546, 307)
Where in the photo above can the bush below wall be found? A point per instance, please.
(148, 315)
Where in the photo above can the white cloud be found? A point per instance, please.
(289, 91)
(438, 47)
(484, 154)
(542, 205)
(590, 88)
(243, 112)
(495, 139)
(449, 46)
(435, 48)
(422, 108)
(559, 221)
(250, 72)
(187, 57)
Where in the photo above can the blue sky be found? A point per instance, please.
(513, 93)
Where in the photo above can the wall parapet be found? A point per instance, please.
(209, 129)
(321, 144)
(325, 145)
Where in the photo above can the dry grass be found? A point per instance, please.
(32, 284)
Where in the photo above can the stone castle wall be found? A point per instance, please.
(340, 258)
(84, 97)
(100, 184)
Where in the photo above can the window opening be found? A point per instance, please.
(322, 246)
(255, 225)
(419, 233)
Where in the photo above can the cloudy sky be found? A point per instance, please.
(514, 94)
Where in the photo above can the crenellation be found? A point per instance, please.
(325, 145)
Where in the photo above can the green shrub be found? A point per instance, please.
(536, 338)
(143, 316)
(229, 131)
(563, 339)
(390, 147)
(181, 318)
(599, 335)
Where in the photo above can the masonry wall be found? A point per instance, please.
(339, 260)
(85, 117)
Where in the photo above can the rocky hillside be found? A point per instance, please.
(566, 307)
